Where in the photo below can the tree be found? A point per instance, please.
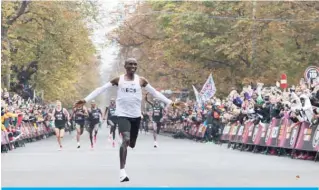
(239, 42)
(55, 34)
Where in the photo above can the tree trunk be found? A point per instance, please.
(4, 38)
(6, 71)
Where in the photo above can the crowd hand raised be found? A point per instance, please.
(79, 103)
(179, 105)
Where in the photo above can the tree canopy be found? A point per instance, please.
(239, 42)
(56, 35)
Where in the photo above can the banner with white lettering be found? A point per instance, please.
(208, 89)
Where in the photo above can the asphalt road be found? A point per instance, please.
(174, 163)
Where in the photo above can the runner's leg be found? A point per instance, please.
(90, 130)
(158, 127)
(113, 128)
(155, 133)
(124, 128)
(110, 123)
(96, 128)
(79, 132)
(57, 134)
(135, 125)
(61, 135)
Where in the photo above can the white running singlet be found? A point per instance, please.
(129, 98)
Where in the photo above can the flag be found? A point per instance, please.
(208, 89)
(198, 99)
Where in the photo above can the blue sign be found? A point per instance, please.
(311, 72)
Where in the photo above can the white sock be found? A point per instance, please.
(122, 172)
(78, 143)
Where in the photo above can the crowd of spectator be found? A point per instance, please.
(254, 101)
(22, 121)
(257, 102)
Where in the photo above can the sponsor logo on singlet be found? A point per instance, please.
(157, 111)
(129, 90)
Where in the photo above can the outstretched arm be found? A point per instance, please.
(154, 92)
(102, 89)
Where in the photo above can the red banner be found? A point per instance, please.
(260, 134)
(225, 135)
(233, 132)
(308, 137)
(279, 133)
(240, 132)
(248, 132)
(273, 132)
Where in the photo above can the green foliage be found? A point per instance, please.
(238, 42)
(56, 35)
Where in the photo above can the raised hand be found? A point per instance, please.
(179, 105)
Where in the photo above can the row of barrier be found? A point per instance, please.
(171, 128)
(25, 132)
(195, 130)
(279, 133)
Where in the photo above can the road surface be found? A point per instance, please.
(174, 163)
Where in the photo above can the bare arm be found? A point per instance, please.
(85, 111)
(66, 113)
(98, 91)
(100, 111)
(105, 113)
(148, 100)
(52, 115)
(144, 83)
(73, 112)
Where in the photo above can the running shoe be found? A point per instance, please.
(113, 143)
(155, 145)
(110, 138)
(123, 176)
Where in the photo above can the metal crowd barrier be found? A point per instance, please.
(28, 132)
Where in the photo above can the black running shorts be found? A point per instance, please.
(131, 125)
(60, 127)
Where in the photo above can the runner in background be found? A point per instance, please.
(129, 103)
(145, 121)
(156, 117)
(60, 117)
(111, 120)
(94, 119)
(79, 115)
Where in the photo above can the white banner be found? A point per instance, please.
(198, 98)
(208, 89)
